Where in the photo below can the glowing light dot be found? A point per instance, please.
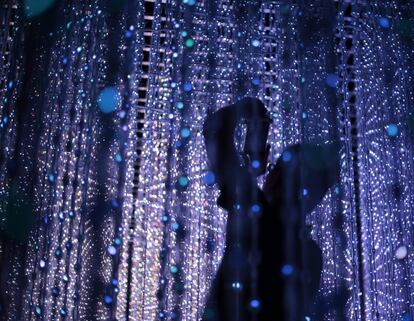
(58, 253)
(112, 250)
(392, 130)
(63, 312)
(51, 178)
(38, 310)
(175, 226)
(183, 181)
(255, 164)
(401, 252)
(188, 86)
(108, 299)
(184, 33)
(42, 263)
(384, 22)
(209, 178)
(255, 43)
(128, 34)
(108, 99)
(332, 80)
(65, 61)
(118, 241)
(189, 43)
(255, 304)
(179, 105)
(287, 269)
(236, 285)
(305, 192)
(79, 49)
(256, 81)
(256, 208)
(118, 158)
(287, 156)
(174, 269)
(185, 132)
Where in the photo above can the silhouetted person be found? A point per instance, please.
(266, 241)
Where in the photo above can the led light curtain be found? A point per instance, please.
(108, 207)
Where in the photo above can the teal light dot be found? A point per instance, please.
(189, 43)
(38, 310)
(392, 130)
(185, 132)
(118, 158)
(183, 181)
(179, 105)
(174, 269)
(184, 33)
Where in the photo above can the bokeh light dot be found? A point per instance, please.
(108, 100)
(392, 130)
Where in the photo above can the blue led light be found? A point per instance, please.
(256, 208)
(255, 43)
(255, 304)
(209, 178)
(392, 130)
(108, 299)
(384, 22)
(287, 156)
(287, 269)
(118, 158)
(174, 269)
(108, 99)
(185, 132)
(255, 164)
(256, 81)
(188, 86)
(332, 80)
